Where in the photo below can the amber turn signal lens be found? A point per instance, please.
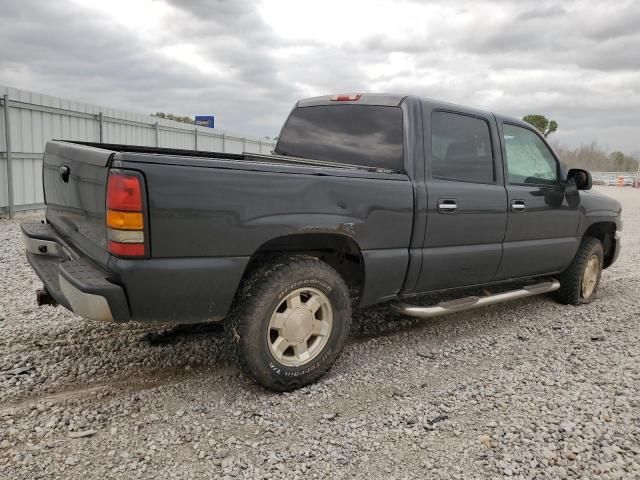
(125, 220)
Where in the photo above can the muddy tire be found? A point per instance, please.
(289, 322)
(579, 283)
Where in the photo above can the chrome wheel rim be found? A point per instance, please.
(590, 276)
(300, 327)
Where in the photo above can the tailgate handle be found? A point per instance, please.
(65, 172)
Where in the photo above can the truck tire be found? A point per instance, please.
(289, 322)
(579, 282)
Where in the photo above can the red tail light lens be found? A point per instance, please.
(124, 193)
(126, 249)
(125, 215)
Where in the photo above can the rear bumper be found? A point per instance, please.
(74, 281)
(172, 290)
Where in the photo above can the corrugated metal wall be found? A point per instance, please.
(35, 118)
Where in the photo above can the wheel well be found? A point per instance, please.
(339, 251)
(605, 232)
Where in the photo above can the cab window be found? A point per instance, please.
(529, 160)
(461, 148)
(369, 135)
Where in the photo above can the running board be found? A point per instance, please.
(467, 303)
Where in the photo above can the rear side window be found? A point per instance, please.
(461, 148)
(367, 135)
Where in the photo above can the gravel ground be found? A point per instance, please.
(527, 389)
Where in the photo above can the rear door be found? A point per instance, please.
(543, 217)
(467, 201)
(75, 179)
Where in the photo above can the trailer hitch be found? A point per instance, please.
(43, 297)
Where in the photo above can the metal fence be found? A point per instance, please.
(28, 120)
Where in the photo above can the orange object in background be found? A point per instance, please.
(620, 182)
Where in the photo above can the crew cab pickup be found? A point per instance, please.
(367, 198)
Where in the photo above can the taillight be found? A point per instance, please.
(124, 192)
(350, 97)
(125, 215)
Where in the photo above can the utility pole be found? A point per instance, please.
(7, 144)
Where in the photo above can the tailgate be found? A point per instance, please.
(75, 179)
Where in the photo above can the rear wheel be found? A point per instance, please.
(289, 322)
(579, 283)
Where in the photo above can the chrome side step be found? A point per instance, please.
(467, 303)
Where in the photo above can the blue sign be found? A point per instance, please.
(204, 120)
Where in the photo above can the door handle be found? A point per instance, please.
(518, 206)
(447, 205)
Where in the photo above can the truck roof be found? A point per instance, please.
(384, 99)
(394, 100)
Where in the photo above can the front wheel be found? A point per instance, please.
(579, 283)
(289, 322)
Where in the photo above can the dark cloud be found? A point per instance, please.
(614, 22)
(81, 55)
(573, 61)
(542, 12)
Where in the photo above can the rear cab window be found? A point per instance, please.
(461, 148)
(368, 135)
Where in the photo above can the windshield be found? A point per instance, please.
(369, 135)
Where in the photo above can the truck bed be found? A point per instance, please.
(253, 157)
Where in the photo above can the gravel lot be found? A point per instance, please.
(527, 389)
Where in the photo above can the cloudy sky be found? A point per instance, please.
(247, 62)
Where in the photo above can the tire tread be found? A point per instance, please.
(571, 279)
(260, 284)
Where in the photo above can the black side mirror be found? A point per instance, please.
(580, 178)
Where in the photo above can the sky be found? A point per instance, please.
(247, 62)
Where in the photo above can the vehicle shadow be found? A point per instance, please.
(366, 322)
(173, 333)
(372, 321)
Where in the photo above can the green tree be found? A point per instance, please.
(171, 116)
(542, 124)
(618, 160)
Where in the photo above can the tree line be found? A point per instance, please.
(590, 157)
(595, 158)
(171, 116)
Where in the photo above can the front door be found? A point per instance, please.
(543, 216)
(467, 201)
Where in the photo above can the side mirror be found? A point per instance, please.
(580, 178)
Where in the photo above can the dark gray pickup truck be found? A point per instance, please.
(367, 198)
